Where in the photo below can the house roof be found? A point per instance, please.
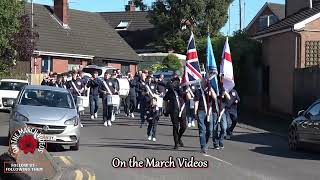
(138, 20)
(277, 9)
(296, 21)
(88, 35)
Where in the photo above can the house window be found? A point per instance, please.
(312, 53)
(46, 64)
(124, 68)
(123, 25)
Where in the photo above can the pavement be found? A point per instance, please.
(252, 153)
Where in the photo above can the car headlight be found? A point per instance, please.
(20, 117)
(73, 121)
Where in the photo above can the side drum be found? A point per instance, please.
(113, 100)
(123, 87)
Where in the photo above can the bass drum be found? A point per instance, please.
(123, 87)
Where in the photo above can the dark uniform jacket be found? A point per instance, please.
(153, 87)
(94, 86)
(175, 103)
(161, 87)
(133, 86)
(152, 114)
(110, 83)
(231, 104)
(78, 83)
(144, 99)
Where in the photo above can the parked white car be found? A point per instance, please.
(101, 70)
(9, 90)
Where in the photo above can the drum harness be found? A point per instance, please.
(75, 87)
(107, 87)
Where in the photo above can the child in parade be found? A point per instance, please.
(152, 116)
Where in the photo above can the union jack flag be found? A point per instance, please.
(192, 73)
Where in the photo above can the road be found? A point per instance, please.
(249, 155)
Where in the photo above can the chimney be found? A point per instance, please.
(130, 7)
(61, 11)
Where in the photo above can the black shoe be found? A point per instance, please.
(176, 147)
(181, 143)
(203, 151)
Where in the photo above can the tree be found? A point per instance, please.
(10, 18)
(172, 62)
(175, 18)
(140, 5)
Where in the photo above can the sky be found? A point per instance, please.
(251, 9)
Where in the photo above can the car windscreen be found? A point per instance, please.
(48, 98)
(91, 70)
(14, 86)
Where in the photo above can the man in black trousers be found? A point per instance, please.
(174, 105)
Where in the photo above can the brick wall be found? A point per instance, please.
(115, 65)
(59, 65)
(133, 68)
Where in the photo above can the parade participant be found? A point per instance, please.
(130, 101)
(222, 120)
(161, 88)
(152, 116)
(46, 78)
(232, 111)
(94, 84)
(115, 82)
(191, 89)
(143, 98)
(206, 113)
(174, 105)
(75, 86)
(119, 74)
(151, 87)
(107, 87)
(53, 80)
(58, 82)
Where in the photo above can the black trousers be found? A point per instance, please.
(130, 104)
(179, 126)
(107, 110)
(152, 128)
(234, 121)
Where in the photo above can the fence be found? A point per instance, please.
(306, 87)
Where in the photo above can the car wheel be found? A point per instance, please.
(75, 147)
(293, 139)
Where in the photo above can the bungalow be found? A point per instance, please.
(287, 46)
(71, 38)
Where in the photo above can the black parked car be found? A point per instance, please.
(305, 128)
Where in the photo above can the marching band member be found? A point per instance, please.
(119, 74)
(174, 104)
(107, 87)
(161, 88)
(152, 116)
(94, 84)
(191, 89)
(232, 110)
(222, 119)
(115, 82)
(205, 112)
(143, 98)
(75, 86)
(59, 82)
(53, 79)
(130, 101)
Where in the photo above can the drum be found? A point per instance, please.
(83, 101)
(159, 101)
(113, 100)
(124, 87)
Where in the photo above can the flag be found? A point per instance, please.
(212, 67)
(192, 73)
(226, 68)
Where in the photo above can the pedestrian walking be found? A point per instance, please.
(174, 105)
(221, 124)
(206, 113)
(152, 116)
(130, 101)
(94, 85)
(144, 98)
(107, 88)
(232, 111)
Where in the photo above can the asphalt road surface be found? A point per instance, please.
(249, 155)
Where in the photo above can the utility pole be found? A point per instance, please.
(241, 14)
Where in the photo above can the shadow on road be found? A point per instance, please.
(275, 146)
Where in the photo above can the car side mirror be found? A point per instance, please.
(300, 113)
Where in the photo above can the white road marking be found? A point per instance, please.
(207, 155)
